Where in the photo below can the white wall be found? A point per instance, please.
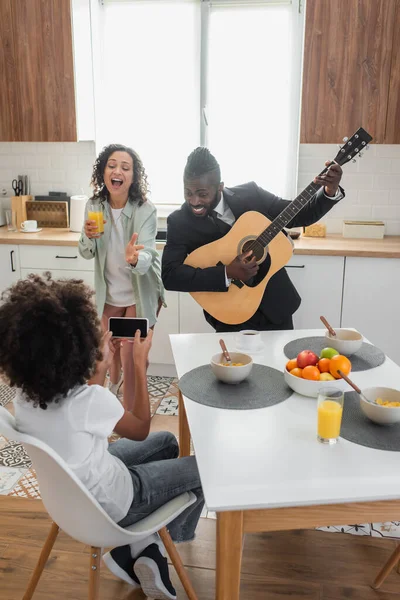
(56, 166)
(372, 184)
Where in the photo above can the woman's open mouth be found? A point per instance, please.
(116, 183)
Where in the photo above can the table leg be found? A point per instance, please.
(229, 554)
(184, 433)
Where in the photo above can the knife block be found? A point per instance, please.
(18, 204)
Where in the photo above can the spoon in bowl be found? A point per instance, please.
(329, 328)
(355, 387)
(225, 351)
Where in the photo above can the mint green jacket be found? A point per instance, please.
(147, 287)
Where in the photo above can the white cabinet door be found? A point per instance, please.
(191, 316)
(9, 265)
(168, 322)
(371, 301)
(319, 281)
(54, 258)
(86, 276)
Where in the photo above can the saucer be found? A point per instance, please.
(250, 351)
(31, 230)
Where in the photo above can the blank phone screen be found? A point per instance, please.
(125, 327)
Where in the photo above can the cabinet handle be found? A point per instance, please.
(295, 266)
(66, 256)
(12, 260)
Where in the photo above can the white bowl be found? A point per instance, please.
(307, 387)
(383, 415)
(232, 374)
(346, 341)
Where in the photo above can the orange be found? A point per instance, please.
(296, 372)
(291, 364)
(339, 363)
(311, 372)
(323, 365)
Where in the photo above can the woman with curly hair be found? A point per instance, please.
(50, 345)
(127, 264)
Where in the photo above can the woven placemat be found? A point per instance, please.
(368, 357)
(264, 387)
(357, 428)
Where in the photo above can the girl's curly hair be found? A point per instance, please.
(50, 337)
(139, 188)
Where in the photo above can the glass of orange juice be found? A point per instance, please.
(95, 213)
(330, 411)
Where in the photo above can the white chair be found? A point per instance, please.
(75, 511)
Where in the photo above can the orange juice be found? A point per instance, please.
(97, 216)
(329, 419)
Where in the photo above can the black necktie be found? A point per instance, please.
(221, 225)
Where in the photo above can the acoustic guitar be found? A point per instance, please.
(271, 247)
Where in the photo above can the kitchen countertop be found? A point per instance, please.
(332, 245)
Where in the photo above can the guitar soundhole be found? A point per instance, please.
(256, 247)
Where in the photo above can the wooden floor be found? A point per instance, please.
(302, 565)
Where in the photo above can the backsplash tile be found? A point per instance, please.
(56, 167)
(372, 184)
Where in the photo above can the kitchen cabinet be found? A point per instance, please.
(61, 261)
(191, 316)
(10, 269)
(371, 301)
(36, 67)
(319, 281)
(168, 322)
(351, 70)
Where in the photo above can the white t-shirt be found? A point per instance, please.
(77, 428)
(118, 277)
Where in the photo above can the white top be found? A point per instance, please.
(77, 429)
(119, 291)
(270, 457)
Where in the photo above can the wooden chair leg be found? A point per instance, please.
(177, 562)
(44, 555)
(184, 432)
(387, 567)
(94, 575)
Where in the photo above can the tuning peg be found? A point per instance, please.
(354, 160)
(360, 154)
(366, 148)
(345, 139)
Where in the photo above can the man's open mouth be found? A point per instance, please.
(198, 210)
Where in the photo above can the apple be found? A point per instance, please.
(326, 377)
(328, 353)
(306, 358)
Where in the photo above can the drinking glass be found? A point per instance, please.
(11, 218)
(330, 411)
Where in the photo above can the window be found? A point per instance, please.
(222, 73)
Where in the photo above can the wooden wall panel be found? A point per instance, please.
(347, 61)
(44, 61)
(9, 98)
(393, 114)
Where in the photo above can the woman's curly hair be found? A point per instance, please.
(139, 188)
(50, 337)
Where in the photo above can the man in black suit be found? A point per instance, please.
(209, 212)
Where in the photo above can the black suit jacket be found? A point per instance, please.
(187, 232)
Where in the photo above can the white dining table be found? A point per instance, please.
(264, 470)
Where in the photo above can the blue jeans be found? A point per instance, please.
(158, 475)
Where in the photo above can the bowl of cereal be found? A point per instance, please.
(381, 405)
(231, 372)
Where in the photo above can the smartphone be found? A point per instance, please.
(126, 327)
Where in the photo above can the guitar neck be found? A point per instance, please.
(289, 213)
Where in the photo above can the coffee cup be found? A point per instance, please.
(249, 340)
(29, 225)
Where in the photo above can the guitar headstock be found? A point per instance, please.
(353, 146)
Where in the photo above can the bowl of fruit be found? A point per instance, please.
(381, 405)
(309, 373)
(346, 341)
